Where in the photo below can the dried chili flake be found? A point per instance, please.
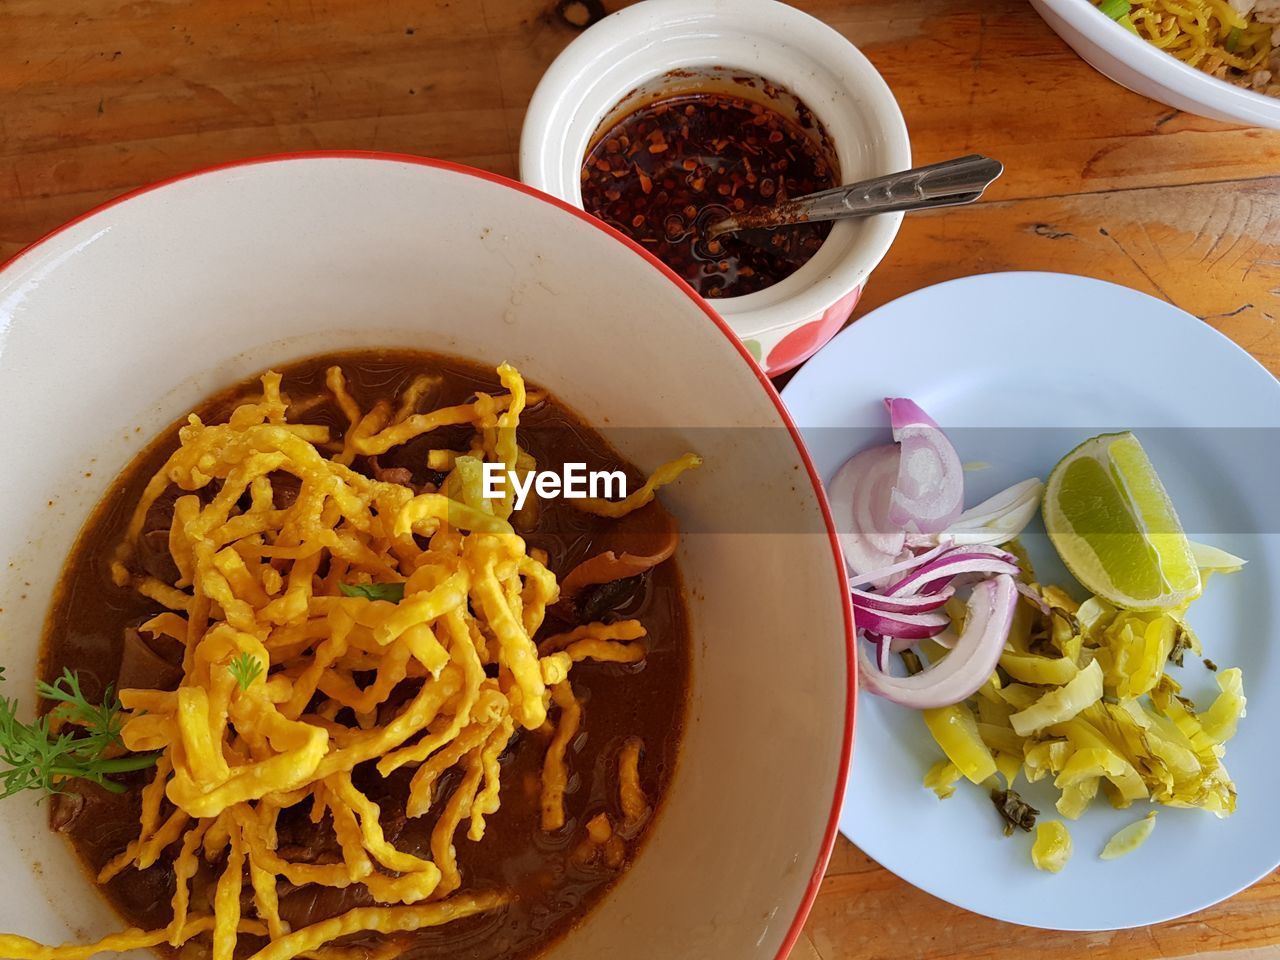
(702, 158)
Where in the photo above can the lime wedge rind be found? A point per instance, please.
(1114, 526)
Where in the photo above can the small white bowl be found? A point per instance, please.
(638, 48)
(120, 322)
(1132, 62)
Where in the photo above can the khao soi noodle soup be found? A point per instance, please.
(364, 710)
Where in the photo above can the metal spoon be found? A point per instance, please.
(946, 184)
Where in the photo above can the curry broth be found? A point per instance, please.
(90, 615)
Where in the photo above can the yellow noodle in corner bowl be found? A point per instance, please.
(1215, 58)
(1232, 40)
(325, 672)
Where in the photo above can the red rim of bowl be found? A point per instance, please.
(846, 750)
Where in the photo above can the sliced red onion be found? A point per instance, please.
(1035, 598)
(883, 647)
(925, 541)
(884, 573)
(913, 604)
(859, 494)
(929, 491)
(1000, 518)
(959, 560)
(987, 550)
(910, 626)
(972, 659)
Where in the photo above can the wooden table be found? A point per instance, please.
(102, 96)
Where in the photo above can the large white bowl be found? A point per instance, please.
(119, 322)
(1134, 63)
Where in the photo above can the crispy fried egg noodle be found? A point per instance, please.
(266, 582)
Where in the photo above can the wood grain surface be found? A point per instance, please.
(100, 96)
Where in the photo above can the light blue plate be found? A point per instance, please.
(1019, 368)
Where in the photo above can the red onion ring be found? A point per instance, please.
(999, 518)
(909, 626)
(906, 604)
(928, 493)
(859, 494)
(957, 561)
(876, 576)
(1035, 598)
(971, 661)
(883, 647)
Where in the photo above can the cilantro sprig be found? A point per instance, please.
(246, 668)
(374, 591)
(36, 756)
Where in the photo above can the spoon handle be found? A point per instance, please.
(945, 184)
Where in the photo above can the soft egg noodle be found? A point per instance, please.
(1203, 33)
(262, 584)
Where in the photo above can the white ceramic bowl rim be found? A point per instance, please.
(635, 31)
(830, 829)
(1161, 67)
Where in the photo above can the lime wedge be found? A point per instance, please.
(1115, 528)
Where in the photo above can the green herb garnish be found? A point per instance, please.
(374, 591)
(1115, 9)
(246, 668)
(37, 758)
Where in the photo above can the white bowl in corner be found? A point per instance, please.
(636, 49)
(1132, 62)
